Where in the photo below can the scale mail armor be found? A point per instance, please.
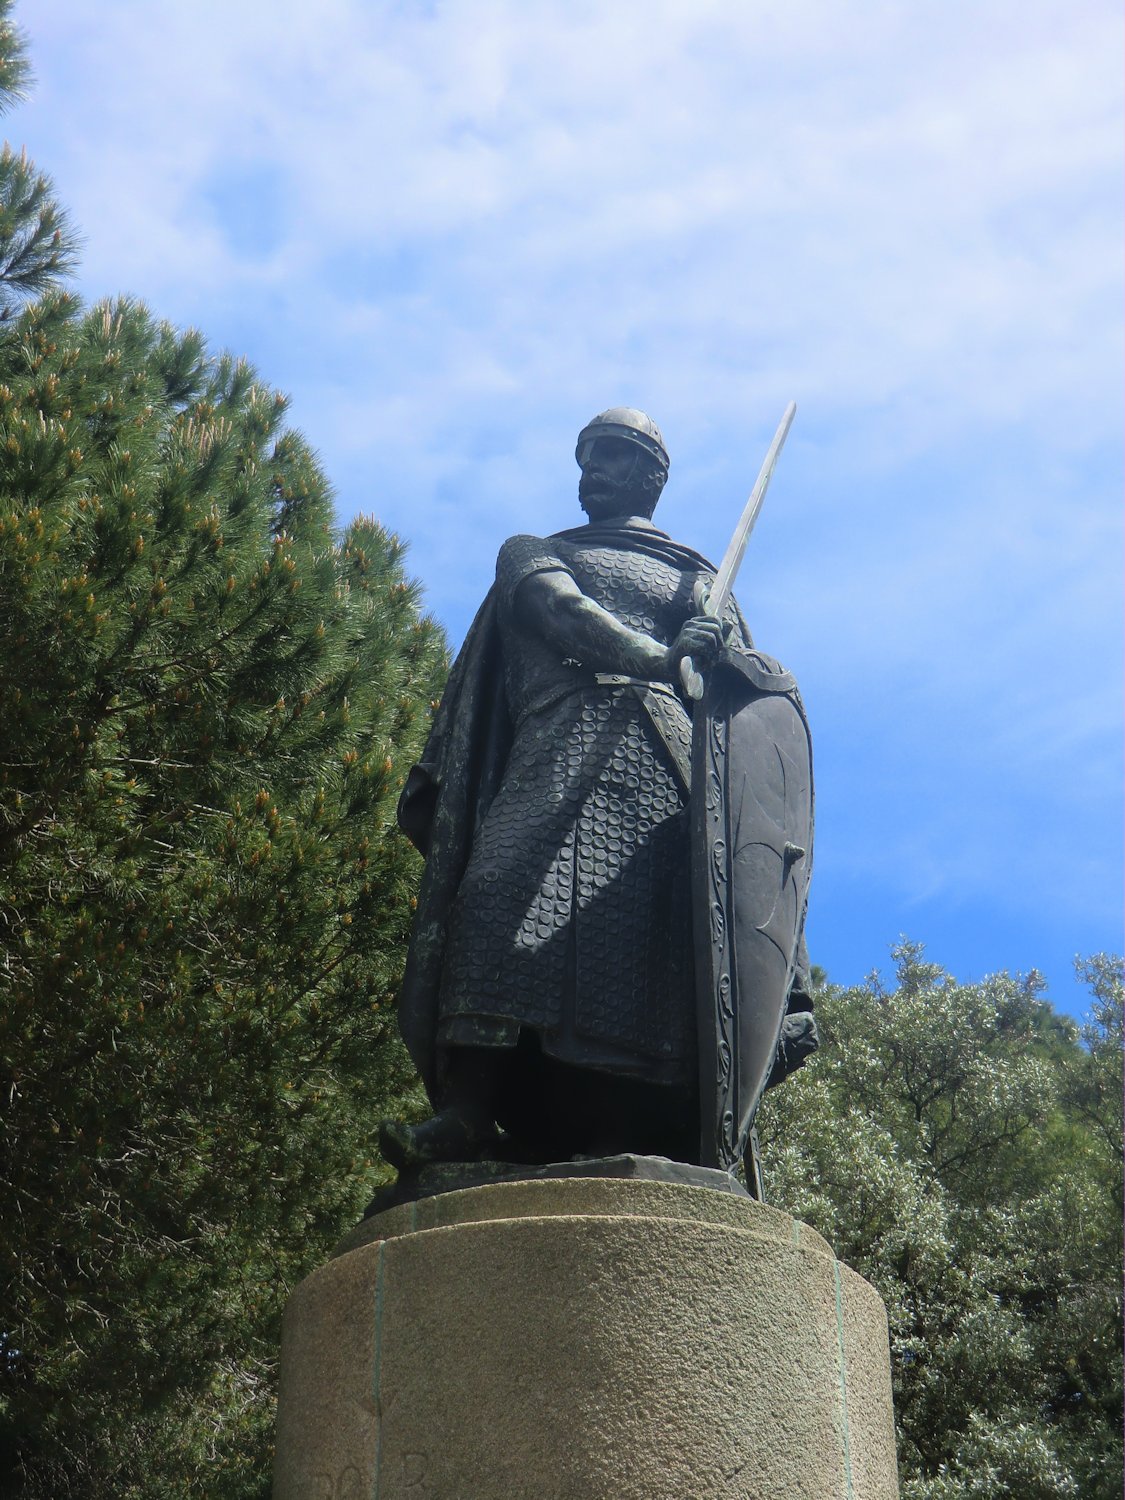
(573, 917)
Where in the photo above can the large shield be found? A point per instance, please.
(752, 827)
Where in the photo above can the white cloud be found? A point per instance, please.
(453, 230)
(739, 177)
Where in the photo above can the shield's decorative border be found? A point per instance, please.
(725, 1118)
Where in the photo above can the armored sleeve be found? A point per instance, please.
(519, 558)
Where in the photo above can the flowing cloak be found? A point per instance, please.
(449, 793)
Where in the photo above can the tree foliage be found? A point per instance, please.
(15, 72)
(960, 1145)
(208, 705)
(37, 245)
(207, 701)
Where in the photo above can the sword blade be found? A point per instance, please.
(719, 593)
(720, 590)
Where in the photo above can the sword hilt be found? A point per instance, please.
(689, 677)
(692, 681)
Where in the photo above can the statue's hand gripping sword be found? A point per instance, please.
(719, 592)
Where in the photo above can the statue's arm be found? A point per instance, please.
(552, 604)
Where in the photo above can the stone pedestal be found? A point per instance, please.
(585, 1339)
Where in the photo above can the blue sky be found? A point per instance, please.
(453, 231)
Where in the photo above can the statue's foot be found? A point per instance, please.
(449, 1136)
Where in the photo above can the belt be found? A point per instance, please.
(598, 679)
(615, 679)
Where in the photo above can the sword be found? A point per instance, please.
(718, 594)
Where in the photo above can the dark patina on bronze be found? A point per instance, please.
(607, 959)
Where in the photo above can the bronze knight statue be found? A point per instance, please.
(608, 953)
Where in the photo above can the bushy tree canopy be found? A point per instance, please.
(960, 1145)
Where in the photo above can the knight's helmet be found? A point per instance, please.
(630, 424)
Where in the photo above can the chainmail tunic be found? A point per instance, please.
(573, 916)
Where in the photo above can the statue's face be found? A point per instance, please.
(613, 480)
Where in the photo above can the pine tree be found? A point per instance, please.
(208, 700)
(208, 704)
(37, 245)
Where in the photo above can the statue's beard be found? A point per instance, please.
(602, 495)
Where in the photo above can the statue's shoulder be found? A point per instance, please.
(524, 547)
(521, 556)
(524, 541)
